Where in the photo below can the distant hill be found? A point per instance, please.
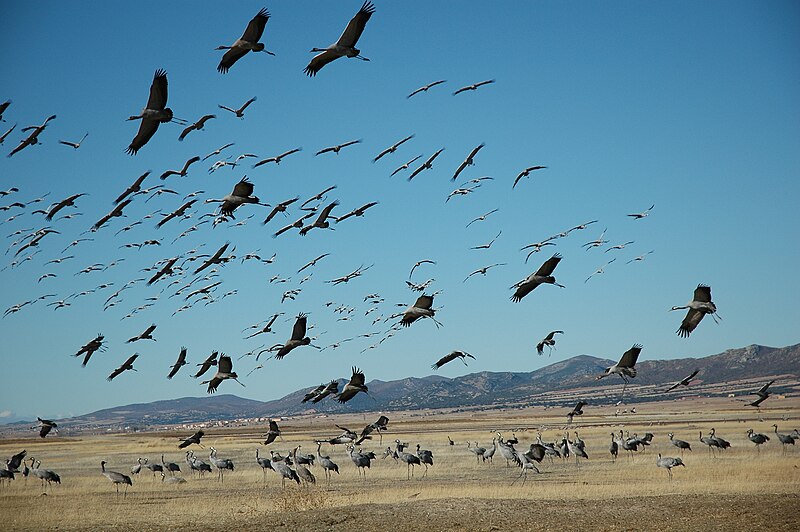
(735, 370)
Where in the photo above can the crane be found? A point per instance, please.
(625, 367)
(224, 371)
(453, 355)
(116, 478)
(297, 339)
(544, 275)
(127, 365)
(392, 148)
(548, 341)
(155, 112)
(758, 438)
(345, 46)
(668, 463)
(352, 388)
(680, 444)
(473, 87)
(242, 193)
(425, 88)
(178, 363)
(422, 308)
(222, 464)
(196, 126)
(248, 42)
(240, 111)
(469, 161)
(684, 381)
(699, 306)
(33, 136)
(45, 426)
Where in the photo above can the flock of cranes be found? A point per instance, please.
(299, 468)
(318, 212)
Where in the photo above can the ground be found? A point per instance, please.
(740, 488)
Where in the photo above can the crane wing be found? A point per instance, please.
(147, 129)
(158, 91)
(299, 329)
(630, 356)
(702, 293)
(255, 28)
(424, 302)
(358, 377)
(319, 61)
(690, 322)
(355, 27)
(225, 365)
(764, 388)
(243, 188)
(549, 265)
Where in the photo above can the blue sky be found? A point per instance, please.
(689, 106)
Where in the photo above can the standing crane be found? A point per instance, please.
(757, 438)
(222, 464)
(785, 439)
(303, 472)
(248, 42)
(680, 444)
(116, 478)
(264, 463)
(327, 464)
(668, 463)
(345, 46)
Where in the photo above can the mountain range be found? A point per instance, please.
(735, 371)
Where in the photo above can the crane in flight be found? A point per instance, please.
(345, 45)
(248, 42)
(155, 113)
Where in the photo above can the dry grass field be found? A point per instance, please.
(739, 489)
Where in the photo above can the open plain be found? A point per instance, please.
(735, 489)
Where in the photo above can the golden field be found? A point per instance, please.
(736, 490)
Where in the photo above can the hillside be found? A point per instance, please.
(733, 371)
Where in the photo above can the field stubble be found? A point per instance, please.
(738, 489)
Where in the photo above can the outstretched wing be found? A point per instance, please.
(690, 322)
(158, 91)
(358, 377)
(243, 188)
(225, 365)
(549, 265)
(147, 129)
(355, 27)
(255, 28)
(630, 356)
(424, 302)
(702, 293)
(299, 329)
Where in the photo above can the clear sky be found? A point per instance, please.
(689, 106)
